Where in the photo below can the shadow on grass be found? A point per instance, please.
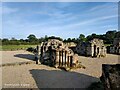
(25, 56)
(61, 79)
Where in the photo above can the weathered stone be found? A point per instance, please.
(115, 48)
(55, 53)
(94, 48)
(111, 76)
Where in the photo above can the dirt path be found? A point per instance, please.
(94, 65)
(33, 76)
(16, 56)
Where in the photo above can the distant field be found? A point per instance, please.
(21, 47)
(15, 47)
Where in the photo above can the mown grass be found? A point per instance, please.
(15, 47)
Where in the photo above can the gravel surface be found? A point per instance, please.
(41, 76)
(16, 56)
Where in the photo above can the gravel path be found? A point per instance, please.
(16, 56)
(94, 65)
(33, 76)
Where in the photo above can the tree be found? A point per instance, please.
(82, 37)
(53, 37)
(110, 35)
(32, 38)
(117, 35)
(41, 40)
(90, 37)
(73, 40)
(13, 39)
(45, 38)
(5, 41)
(69, 40)
(0, 41)
(21, 40)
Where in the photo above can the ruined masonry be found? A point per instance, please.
(115, 48)
(55, 53)
(94, 48)
(111, 76)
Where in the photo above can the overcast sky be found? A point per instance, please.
(59, 19)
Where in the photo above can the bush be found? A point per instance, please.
(30, 49)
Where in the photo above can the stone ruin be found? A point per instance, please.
(94, 48)
(115, 48)
(111, 76)
(71, 45)
(54, 53)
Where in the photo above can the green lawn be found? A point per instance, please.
(15, 47)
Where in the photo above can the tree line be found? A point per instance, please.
(108, 38)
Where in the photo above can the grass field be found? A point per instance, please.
(15, 47)
(20, 47)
